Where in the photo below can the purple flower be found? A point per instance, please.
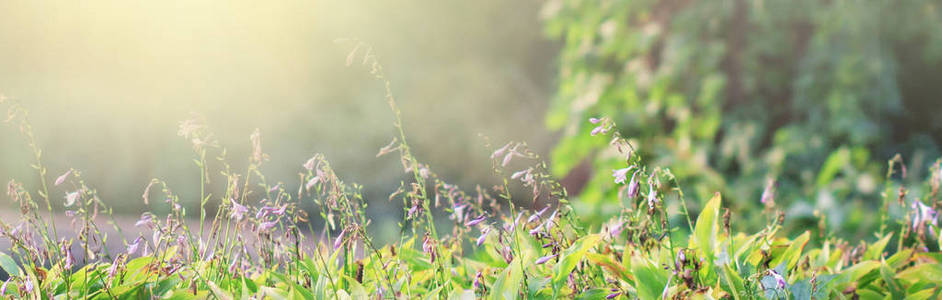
(267, 226)
(279, 211)
(310, 183)
(612, 295)
(652, 196)
(238, 211)
(3, 289)
(594, 120)
(274, 188)
(63, 177)
(69, 259)
(621, 174)
(633, 186)
(458, 214)
(536, 230)
(476, 221)
(595, 131)
(923, 213)
(518, 174)
(309, 164)
(543, 260)
(29, 286)
(263, 211)
(768, 194)
(136, 245)
(70, 198)
(512, 226)
(549, 221)
(483, 237)
(147, 219)
(616, 229)
(779, 280)
(476, 284)
(537, 215)
(339, 240)
(500, 151)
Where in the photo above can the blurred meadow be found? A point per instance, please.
(107, 83)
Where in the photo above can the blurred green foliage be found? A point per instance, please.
(729, 94)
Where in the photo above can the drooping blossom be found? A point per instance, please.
(339, 240)
(69, 259)
(768, 194)
(923, 213)
(779, 280)
(267, 226)
(61, 179)
(601, 128)
(510, 227)
(633, 186)
(594, 120)
(70, 198)
(537, 215)
(310, 183)
(483, 236)
(476, 221)
(147, 220)
(621, 174)
(613, 295)
(477, 280)
(544, 259)
(136, 245)
(3, 289)
(549, 221)
(652, 196)
(536, 230)
(500, 151)
(275, 188)
(309, 164)
(238, 211)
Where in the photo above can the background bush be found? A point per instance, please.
(729, 94)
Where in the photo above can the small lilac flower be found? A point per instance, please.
(69, 259)
(633, 186)
(238, 211)
(621, 174)
(549, 221)
(274, 188)
(476, 284)
(652, 196)
(310, 183)
(267, 226)
(768, 194)
(339, 240)
(544, 259)
(29, 286)
(537, 215)
(519, 174)
(594, 120)
(263, 211)
(279, 211)
(923, 213)
(779, 280)
(612, 295)
(3, 289)
(595, 131)
(70, 198)
(136, 245)
(61, 179)
(500, 151)
(616, 229)
(483, 237)
(458, 214)
(513, 225)
(147, 220)
(309, 164)
(476, 221)
(536, 230)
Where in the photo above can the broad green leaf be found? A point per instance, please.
(926, 271)
(875, 251)
(9, 265)
(650, 280)
(572, 256)
(507, 284)
(707, 228)
(793, 253)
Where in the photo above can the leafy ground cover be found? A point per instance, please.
(254, 243)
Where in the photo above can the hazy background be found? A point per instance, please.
(108, 81)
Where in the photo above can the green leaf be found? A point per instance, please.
(793, 253)
(707, 229)
(572, 256)
(507, 285)
(875, 251)
(9, 265)
(650, 280)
